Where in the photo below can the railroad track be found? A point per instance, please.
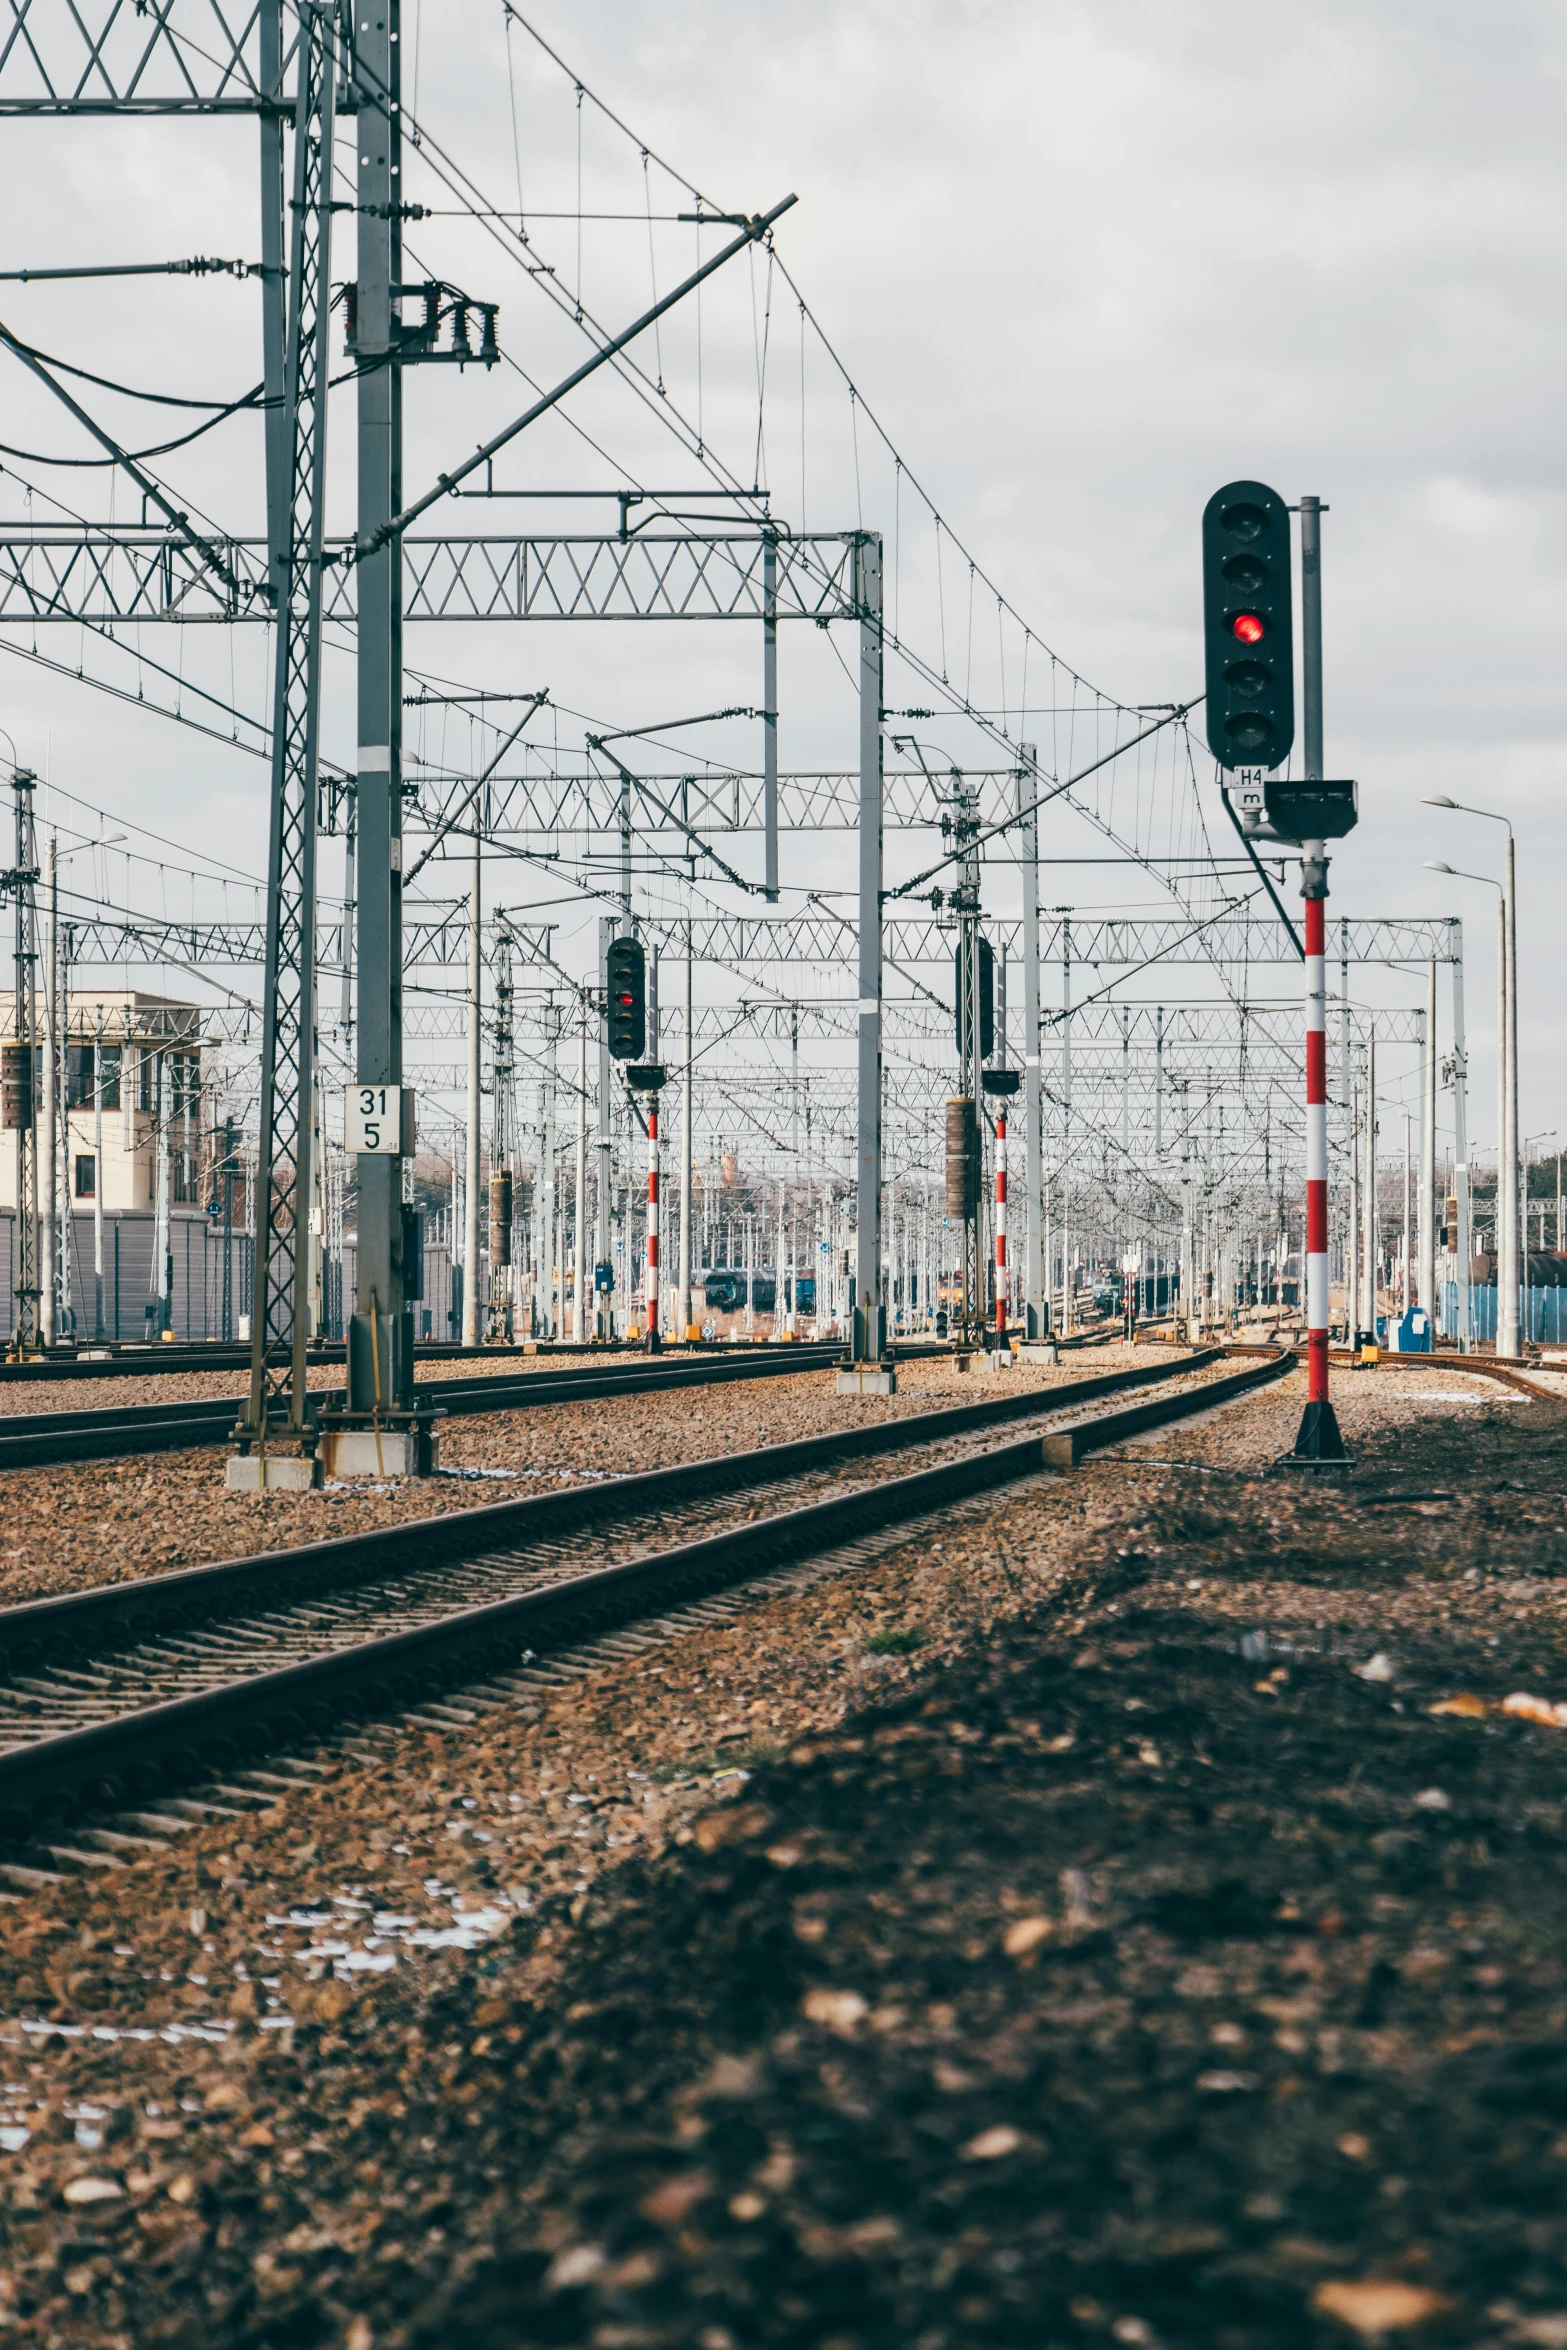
(113, 1360)
(36, 1439)
(141, 1700)
(1511, 1371)
(138, 1361)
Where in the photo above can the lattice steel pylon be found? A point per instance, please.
(21, 1105)
(280, 1309)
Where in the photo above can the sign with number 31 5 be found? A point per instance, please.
(374, 1117)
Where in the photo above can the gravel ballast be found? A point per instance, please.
(88, 1522)
(1109, 1944)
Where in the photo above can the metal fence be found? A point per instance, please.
(130, 1302)
(1545, 1313)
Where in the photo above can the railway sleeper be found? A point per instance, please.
(38, 1633)
(44, 1786)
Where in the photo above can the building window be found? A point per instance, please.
(80, 1075)
(86, 1176)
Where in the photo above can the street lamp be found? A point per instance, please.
(1507, 1117)
(1507, 1296)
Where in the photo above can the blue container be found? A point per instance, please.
(1412, 1332)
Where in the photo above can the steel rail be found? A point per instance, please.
(139, 1358)
(132, 1610)
(116, 1431)
(150, 1749)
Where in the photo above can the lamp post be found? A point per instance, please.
(1507, 1108)
(1507, 1297)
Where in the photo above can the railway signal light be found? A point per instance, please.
(963, 1000)
(626, 975)
(1248, 626)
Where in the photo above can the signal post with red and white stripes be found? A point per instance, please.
(651, 1335)
(1319, 1437)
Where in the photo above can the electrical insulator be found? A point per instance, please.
(962, 1200)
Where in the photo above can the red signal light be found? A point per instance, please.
(1248, 628)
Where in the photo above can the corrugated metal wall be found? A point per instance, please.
(1545, 1310)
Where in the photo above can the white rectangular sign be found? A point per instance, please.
(373, 1120)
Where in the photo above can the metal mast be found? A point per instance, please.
(380, 1351)
(281, 1304)
(20, 1107)
(970, 993)
(869, 1374)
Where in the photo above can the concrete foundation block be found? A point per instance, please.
(996, 1361)
(372, 1452)
(1044, 1350)
(272, 1472)
(867, 1379)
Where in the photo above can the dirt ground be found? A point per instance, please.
(1128, 1913)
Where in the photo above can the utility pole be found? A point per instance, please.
(162, 1139)
(49, 1264)
(277, 1404)
(1461, 1146)
(1158, 1085)
(965, 1154)
(687, 1147)
(1353, 1270)
(20, 1091)
(1036, 1297)
(544, 1184)
(1188, 1266)
(1428, 1151)
(97, 1186)
(1346, 1083)
(1407, 1243)
(770, 713)
(380, 1336)
(582, 1251)
(1066, 1131)
(473, 1176)
(1508, 1331)
(606, 1316)
(226, 1315)
(870, 1374)
(500, 1284)
(1370, 1324)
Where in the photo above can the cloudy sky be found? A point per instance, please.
(1083, 263)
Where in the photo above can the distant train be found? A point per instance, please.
(725, 1291)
